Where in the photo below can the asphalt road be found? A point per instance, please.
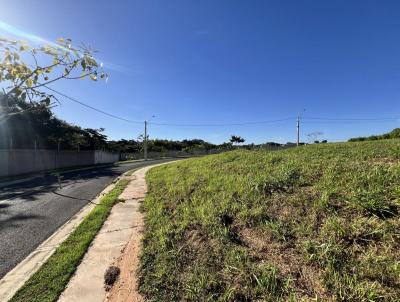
(32, 211)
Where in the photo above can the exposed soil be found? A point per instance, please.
(126, 286)
(111, 276)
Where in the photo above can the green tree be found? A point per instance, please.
(235, 139)
(26, 70)
(39, 127)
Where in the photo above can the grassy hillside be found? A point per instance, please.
(318, 222)
(395, 133)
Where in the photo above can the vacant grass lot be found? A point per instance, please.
(318, 222)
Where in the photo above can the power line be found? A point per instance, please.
(224, 125)
(165, 124)
(359, 122)
(93, 108)
(311, 119)
(352, 119)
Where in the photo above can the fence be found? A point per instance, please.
(22, 161)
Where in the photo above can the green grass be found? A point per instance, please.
(50, 280)
(318, 222)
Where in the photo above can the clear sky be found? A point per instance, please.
(228, 62)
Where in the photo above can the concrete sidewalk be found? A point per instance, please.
(124, 222)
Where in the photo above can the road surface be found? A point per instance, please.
(32, 211)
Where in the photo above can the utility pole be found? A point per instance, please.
(298, 130)
(145, 140)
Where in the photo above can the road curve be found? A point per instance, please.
(32, 211)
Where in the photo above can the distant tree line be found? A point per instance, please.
(160, 145)
(28, 125)
(395, 133)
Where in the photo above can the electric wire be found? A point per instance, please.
(93, 108)
(352, 119)
(165, 124)
(225, 125)
(307, 119)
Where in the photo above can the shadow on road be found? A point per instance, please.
(72, 197)
(15, 220)
(31, 190)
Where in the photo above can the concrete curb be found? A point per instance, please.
(16, 278)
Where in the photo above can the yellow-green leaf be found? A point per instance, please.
(29, 82)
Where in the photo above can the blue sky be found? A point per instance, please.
(229, 62)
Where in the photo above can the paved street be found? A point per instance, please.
(31, 211)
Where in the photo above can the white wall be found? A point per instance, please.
(101, 157)
(17, 162)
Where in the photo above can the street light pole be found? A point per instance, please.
(145, 140)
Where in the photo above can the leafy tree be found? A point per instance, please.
(95, 137)
(39, 124)
(126, 146)
(235, 139)
(26, 70)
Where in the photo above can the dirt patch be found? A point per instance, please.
(195, 239)
(111, 276)
(291, 264)
(126, 286)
